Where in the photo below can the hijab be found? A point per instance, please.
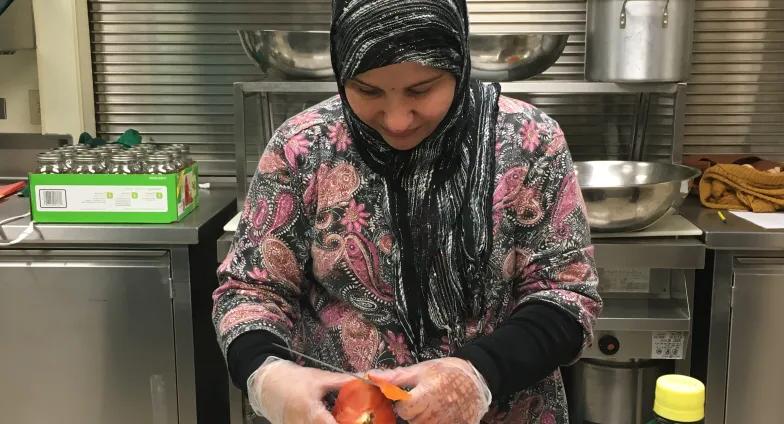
(440, 191)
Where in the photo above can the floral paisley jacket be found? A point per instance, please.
(314, 259)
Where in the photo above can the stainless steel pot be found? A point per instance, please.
(613, 392)
(639, 40)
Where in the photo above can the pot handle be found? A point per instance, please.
(665, 14)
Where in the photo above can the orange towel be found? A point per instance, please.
(726, 186)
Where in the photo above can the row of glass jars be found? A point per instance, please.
(114, 159)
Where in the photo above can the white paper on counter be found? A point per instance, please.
(768, 221)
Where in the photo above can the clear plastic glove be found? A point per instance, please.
(286, 393)
(447, 390)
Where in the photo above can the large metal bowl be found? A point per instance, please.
(494, 57)
(514, 57)
(302, 54)
(629, 196)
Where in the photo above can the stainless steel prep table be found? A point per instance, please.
(114, 318)
(744, 376)
(211, 203)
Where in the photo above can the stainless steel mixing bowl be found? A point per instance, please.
(303, 54)
(629, 196)
(494, 57)
(514, 57)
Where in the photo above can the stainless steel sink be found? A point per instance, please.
(494, 57)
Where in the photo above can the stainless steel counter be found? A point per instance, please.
(734, 234)
(211, 202)
(90, 266)
(747, 260)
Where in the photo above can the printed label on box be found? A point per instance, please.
(86, 198)
(667, 345)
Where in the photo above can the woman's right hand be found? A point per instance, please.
(284, 392)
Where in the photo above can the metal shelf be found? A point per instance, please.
(665, 253)
(536, 86)
(644, 315)
(262, 91)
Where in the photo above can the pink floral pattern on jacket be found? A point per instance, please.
(314, 260)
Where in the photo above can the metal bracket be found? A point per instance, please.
(637, 150)
(732, 295)
(665, 14)
(172, 290)
(623, 14)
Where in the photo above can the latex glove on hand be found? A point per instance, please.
(446, 390)
(286, 393)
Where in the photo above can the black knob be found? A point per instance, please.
(609, 345)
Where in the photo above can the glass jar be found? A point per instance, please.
(158, 163)
(86, 163)
(146, 148)
(104, 156)
(123, 164)
(140, 155)
(67, 157)
(185, 153)
(49, 163)
(176, 157)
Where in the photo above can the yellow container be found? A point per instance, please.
(679, 398)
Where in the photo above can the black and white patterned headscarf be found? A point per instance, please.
(440, 191)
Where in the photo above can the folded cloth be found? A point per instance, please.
(730, 186)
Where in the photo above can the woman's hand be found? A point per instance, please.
(286, 393)
(447, 390)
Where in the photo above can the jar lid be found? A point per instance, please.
(49, 156)
(122, 157)
(86, 156)
(679, 398)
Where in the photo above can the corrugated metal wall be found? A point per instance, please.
(736, 93)
(166, 68)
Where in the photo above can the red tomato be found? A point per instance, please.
(362, 403)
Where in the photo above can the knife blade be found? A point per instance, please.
(324, 364)
(391, 391)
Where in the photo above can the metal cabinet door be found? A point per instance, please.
(86, 338)
(755, 380)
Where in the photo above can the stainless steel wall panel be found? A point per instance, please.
(166, 68)
(736, 91)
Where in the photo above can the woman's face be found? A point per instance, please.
(404, 102)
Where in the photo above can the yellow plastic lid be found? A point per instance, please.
(679, 398)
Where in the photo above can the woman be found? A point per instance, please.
(418, 224)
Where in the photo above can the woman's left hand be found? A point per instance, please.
(446, 390)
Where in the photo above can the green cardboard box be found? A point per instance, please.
(113, 198)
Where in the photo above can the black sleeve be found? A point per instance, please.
(248, 351)
(535, 340)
